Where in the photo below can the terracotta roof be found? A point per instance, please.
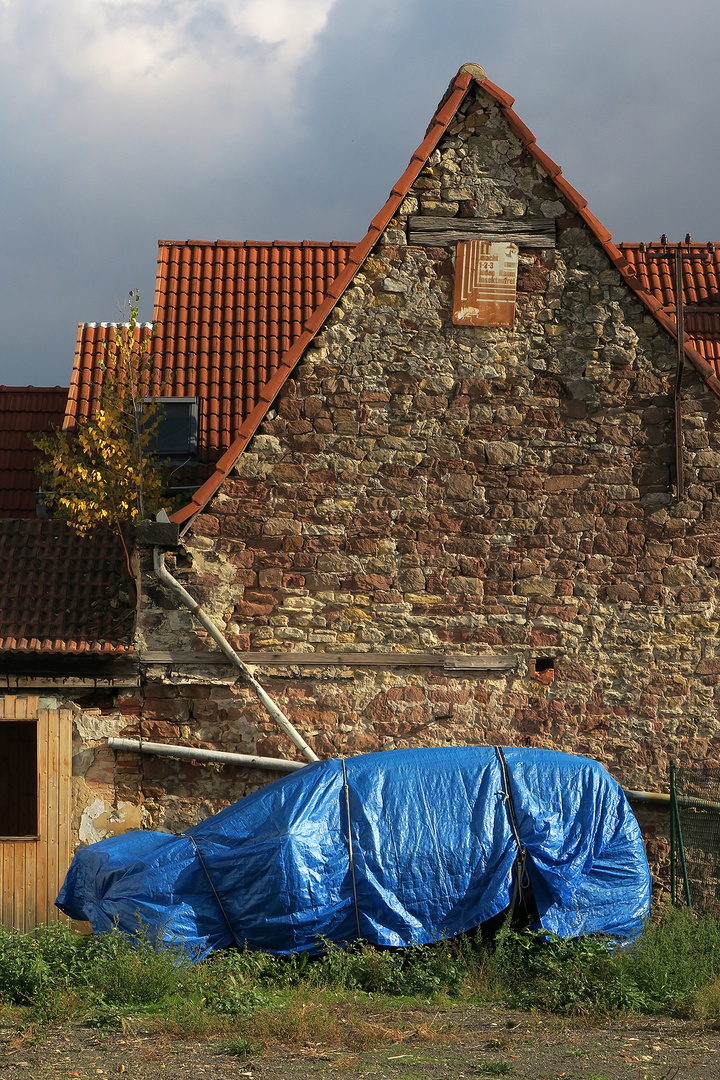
(94, 342)
(62, 593)
(24, 409)
(654, 265)
(225, 314)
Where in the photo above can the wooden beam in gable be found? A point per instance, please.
(443, 231)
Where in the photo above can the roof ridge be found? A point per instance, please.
(31, 389)
(258, 243)
(635, 245)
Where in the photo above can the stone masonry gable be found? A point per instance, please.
(469, 76)
(419, 486)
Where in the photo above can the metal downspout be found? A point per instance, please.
(278, 716)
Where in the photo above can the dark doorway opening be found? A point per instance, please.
(18, 778)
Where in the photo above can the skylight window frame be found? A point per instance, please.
(193, 407)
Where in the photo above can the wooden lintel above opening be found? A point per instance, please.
(448, 662)
(443, 231)
(42, 682)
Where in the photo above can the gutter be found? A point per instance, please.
(276, 713)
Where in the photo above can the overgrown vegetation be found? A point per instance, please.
(256, 1000)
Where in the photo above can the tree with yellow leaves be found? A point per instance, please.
(102, 474)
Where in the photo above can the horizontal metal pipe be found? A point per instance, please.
(664, 800)
(647, 797)
(192, 753)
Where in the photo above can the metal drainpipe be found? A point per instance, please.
(647, 797)
(278, 716)
(664, 800)
(193, 753)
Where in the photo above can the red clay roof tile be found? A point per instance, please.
(63, 593)
(654, 265)
(575, 198)
(598, 228)
(520, 129)
(225, 315)
(495, 92)
(24, 410)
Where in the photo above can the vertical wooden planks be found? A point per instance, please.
(64, 802)
(8, 885)
(8, 882)
(52, 830)
(44, 781)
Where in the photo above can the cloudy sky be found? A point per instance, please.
(127, 121)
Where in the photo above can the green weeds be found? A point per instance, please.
(673, 968)
(359, 997)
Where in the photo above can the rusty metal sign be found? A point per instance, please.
(485, 283)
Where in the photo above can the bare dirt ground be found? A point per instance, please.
(459, 1044)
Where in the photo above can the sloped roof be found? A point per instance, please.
(654, 265)
(225, 315)
(459, 87)
(24, 410)
(63, 593)
(94, 342)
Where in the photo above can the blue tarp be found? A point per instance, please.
(429, 854)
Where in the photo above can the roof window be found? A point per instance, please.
(176, 433)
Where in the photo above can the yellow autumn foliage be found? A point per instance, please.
(102, 473)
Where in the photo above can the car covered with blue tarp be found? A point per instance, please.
(394, 848)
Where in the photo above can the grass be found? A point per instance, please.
(359, 998)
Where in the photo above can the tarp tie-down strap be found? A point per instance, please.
(521, 876)
(210, 880)
(350, 849)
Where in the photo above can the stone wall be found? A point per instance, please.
(423, 486)
(104, 803)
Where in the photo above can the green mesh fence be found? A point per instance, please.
(695, 837)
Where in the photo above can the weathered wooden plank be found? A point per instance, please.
(52, 834)
(64, 802)
(32, 917)
(8, 884)
(26, 908)
(480, 663)
(41, 682)
(442, 231)
(41, 885)
(486, 662)
(19, 898)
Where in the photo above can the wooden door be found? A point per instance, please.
(35, 809)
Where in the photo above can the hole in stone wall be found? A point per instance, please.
(544, 663)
